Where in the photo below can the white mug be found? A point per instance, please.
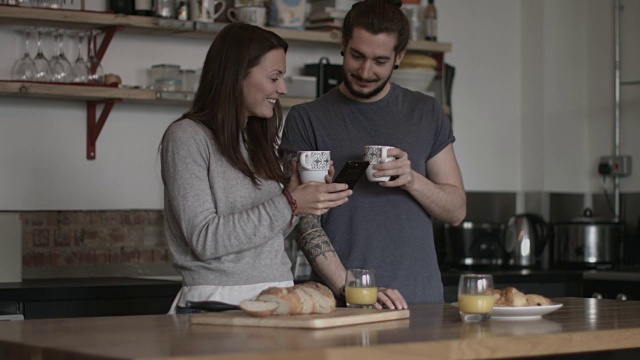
(314, 160)
(312, 175)
(254, 15)
(376, 154)
(313, 165)
(205, 10)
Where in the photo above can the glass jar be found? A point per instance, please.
(165, 77)
(415, 14)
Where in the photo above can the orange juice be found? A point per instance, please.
(475, 304)
(361, 295)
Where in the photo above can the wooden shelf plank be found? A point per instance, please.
(73, 19)
(95, 93)
(74, 92)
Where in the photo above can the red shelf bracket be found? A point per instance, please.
(93, 127)
(108, 32)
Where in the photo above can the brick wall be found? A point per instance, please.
(94, 243)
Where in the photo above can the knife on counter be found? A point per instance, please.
(211, 306)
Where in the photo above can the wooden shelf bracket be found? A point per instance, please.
(94, 128)
(100, 50)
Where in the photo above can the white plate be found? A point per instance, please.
(520, 313)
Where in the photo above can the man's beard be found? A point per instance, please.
(362, 95)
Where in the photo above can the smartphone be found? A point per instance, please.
(351, 172)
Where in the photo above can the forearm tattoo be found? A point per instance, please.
(313, 240)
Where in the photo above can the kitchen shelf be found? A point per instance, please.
(104, 93)
(19, 17)
(74, 19)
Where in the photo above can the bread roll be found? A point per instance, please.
(258, 308)
(306, 298)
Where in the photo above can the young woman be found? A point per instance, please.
(228, 205)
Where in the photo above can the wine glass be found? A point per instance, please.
(475, 297)
(40, 3)
(24, 69)
(56, 4)
(95, 72)
(360, 288)
(79, 67)
(60, 65)
(43, 67)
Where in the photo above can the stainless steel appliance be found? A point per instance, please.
(473, 244)
(525, 239)
(588, 242)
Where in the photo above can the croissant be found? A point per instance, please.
(538, 300)
(513, 298)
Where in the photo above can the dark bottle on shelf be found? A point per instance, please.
(431, 22)
(121, 6)
(143, 7)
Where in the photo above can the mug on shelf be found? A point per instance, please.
(254, 15)
(205, 10)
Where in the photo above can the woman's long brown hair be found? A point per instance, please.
(219, 101)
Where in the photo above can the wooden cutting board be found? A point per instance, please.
(340, 317)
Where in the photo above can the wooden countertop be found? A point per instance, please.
(581, 325)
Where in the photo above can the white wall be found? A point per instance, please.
(532, 106)
(565, 144)
(486, 91)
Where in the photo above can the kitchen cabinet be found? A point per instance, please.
(87, 297)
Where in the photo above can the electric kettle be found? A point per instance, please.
(525, 239)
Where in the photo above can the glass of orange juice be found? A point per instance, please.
(360, 288)
(475, 297)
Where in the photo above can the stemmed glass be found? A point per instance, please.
(43, 67)
(40, 3)
(60, 65)
(95, 73)
(24, 69)
(79, 66)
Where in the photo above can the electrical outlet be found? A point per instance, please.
(615, 165)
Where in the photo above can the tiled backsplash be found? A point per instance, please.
(93, 243)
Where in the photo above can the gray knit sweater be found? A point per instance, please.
(221, 229)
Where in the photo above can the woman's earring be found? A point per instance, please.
(342, 53)
(396, 67)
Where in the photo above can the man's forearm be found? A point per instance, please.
(315, 245)
(445, 202)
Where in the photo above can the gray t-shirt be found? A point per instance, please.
(384, 229)
(221, 228)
